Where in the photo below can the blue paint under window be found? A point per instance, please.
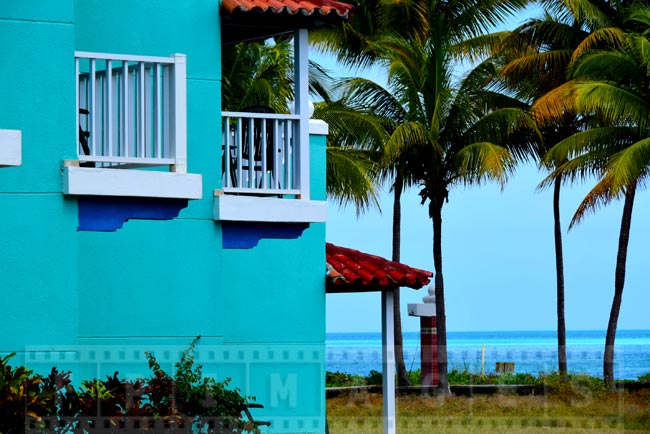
(246, 235)
(108, 214)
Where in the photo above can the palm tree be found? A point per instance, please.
(612, 86)
(447, 29)
(376, 103)
(448, 136)
(539, 52)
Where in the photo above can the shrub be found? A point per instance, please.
(644, 378)
(342, 379)
(184, 403)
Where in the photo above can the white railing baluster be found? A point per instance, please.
(251, 153)
(264, 145)
(288, 154)
(227, 139)
(277, 155)
(166, 101)
(108, 107)
(77, 90)
(240, 152)
(141, 112)
(158, 104)
(91, 108)
(124, 148)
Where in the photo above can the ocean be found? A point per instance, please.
(532, 351)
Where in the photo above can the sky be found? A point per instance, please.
(498, 256)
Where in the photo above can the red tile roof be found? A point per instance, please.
(321, 8)
(350, 270)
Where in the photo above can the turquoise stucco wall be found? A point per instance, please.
(38, 249)
(93, 302)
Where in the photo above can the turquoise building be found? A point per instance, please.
(134, 218)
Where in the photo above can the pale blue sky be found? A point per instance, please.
(498, 257)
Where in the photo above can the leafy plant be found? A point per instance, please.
(186, 402)
(644, 378)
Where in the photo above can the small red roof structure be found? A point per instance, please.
(350, 270)
(243, 20)
(320, 8)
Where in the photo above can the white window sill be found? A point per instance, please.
(268, 209)
(131, 183)
(10, 147)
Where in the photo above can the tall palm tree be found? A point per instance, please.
(538, 54)
(373, 101)
(449, 136)
(448, 29)
(613, 87)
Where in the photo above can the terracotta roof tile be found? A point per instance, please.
(352, 270)
(291, 7)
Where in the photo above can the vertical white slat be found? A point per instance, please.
(93, 108)
(301, 138)
(158, 108)
(108, 107)
(277, 154)
(251, 153)
(264, 145)
(77, 105)
(227, 143)
(289, 137)
(240, 151)
(125, 110)
(148, 112)
(388, 361)
(178, 146)
(141, 111)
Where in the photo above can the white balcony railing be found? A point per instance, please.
(273, 166)
(131, 110)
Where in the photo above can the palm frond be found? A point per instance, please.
(555, 104)
(598, 197)
(605, 37)
(596, 143)
(483, 161)
(614, 104)
(350, 179)
(411, 138)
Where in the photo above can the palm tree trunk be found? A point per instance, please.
(619, 283)
(402, 375)
(559, 272)
(435, 211)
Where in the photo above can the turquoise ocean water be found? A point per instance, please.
(531, 351)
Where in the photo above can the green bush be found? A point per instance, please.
(644, 378)
(184, 403)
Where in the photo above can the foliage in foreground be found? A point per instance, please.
(186, 402)
(609, 412)
(552, 381)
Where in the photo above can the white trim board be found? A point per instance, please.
(10, 147)
(133, 183)
(269, 209)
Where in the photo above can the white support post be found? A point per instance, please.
(178, 122)
(388, 361)
(301, 161)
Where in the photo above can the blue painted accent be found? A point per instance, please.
(108, 214)
(246, 235)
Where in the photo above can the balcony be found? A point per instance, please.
(272, 168)
(265, 169)
(131, 114)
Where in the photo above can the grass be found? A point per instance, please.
(571, 410)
